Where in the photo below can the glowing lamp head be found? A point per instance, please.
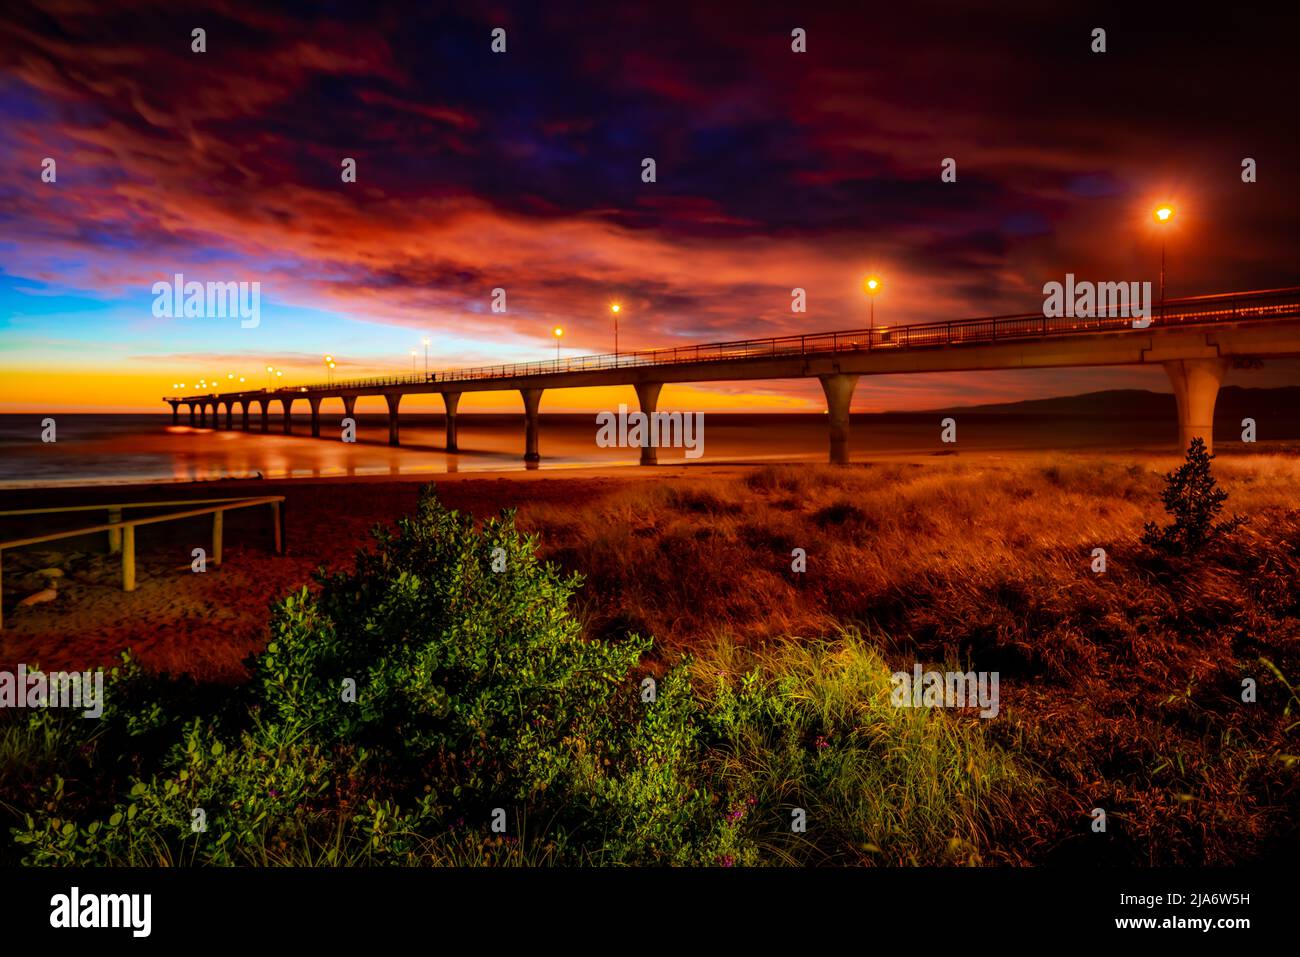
(269, 369)
(873, 285)
(1164, 214)
(616, 308)
(557, 332)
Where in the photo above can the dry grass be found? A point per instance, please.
(1123, 688)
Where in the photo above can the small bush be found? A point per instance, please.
(1194, 500)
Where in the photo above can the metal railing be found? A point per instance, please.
(121, 533)
(1226, 307)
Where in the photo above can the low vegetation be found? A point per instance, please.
(464, 674)
(444, 687)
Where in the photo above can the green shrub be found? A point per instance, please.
(442, 678)
(1194, 500)
(478, 673)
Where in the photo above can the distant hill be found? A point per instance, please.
(1234, 402)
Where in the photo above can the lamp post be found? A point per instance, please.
(413, 355)
(269, 372)
(872, 286)
(329, 369)
(426, 356)
(1164, 215)
(557, 332)
(616, 309)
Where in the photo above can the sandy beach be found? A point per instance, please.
(206, 624)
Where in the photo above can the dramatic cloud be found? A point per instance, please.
(523, 170)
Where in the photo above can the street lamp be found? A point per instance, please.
(426, 356)
(329, 366)
(269, 372)
(615, 309)
(872, 286)
(1164, 215)
(413, 355)
(557, 332)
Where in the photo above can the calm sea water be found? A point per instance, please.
(94, 449)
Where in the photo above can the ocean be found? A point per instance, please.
(120, 449)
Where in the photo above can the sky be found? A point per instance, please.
(523, 171)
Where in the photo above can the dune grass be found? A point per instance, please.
(1124, 687)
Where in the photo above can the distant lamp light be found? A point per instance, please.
(616, 308)
(1164, 214)
(872, 286)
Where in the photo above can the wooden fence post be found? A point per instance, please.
(276, 529)
(114, 534)
(128, 558)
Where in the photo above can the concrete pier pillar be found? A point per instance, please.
(230, 415)
(393, 400)
(1196, 386)
(288, 415)
(350, 407)
(532, 400)
(243, 415)
(839, 396)
(203, 415)
(647, 395)
(315, 416)
(176, 412)
(451, 400)
(193, 415)
(266, 414)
